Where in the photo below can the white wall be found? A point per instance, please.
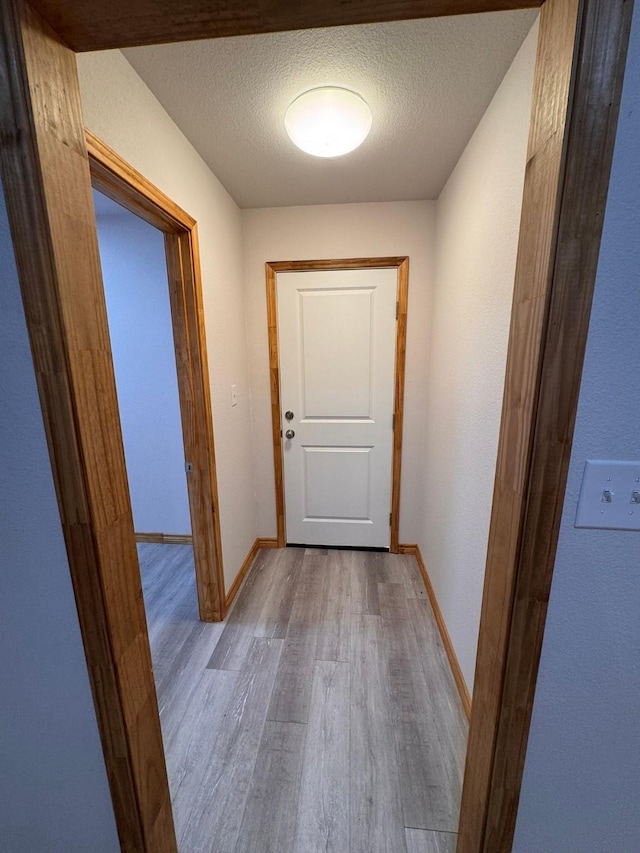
(136, 289)
(477, 223)
(54, 794)
(122, 111)
(341, 231)
(581, 786)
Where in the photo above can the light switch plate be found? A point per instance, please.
(607, 498)
(234, 395)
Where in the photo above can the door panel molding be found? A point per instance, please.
(118, 180)
(401, 263)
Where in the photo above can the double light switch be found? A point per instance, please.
(610, 495)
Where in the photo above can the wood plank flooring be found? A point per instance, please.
(321, 716)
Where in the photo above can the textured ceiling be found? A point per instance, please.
(427, 82)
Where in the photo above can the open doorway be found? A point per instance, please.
(119, 184)
(134, 273)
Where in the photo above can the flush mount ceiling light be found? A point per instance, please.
(328, 121)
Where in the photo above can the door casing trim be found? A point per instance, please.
(272, 268)
(117, 179)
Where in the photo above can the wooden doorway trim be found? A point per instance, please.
(115, 178)
(47, 186)
(580, 66)
(46, 181)
(272, 269)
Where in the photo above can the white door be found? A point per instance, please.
(337, 336)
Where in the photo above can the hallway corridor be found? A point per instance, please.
(321, 716)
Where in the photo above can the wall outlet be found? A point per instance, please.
(234, 395)
(610, 495)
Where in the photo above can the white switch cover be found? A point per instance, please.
(234, 395)
(610, 495)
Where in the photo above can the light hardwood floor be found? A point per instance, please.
(321, 716)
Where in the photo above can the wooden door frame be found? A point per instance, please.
(272, 268)
(118, 180)
(46, 179)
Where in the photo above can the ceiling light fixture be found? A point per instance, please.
(328, 121)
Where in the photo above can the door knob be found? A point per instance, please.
(289, 416)
(289, 434)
